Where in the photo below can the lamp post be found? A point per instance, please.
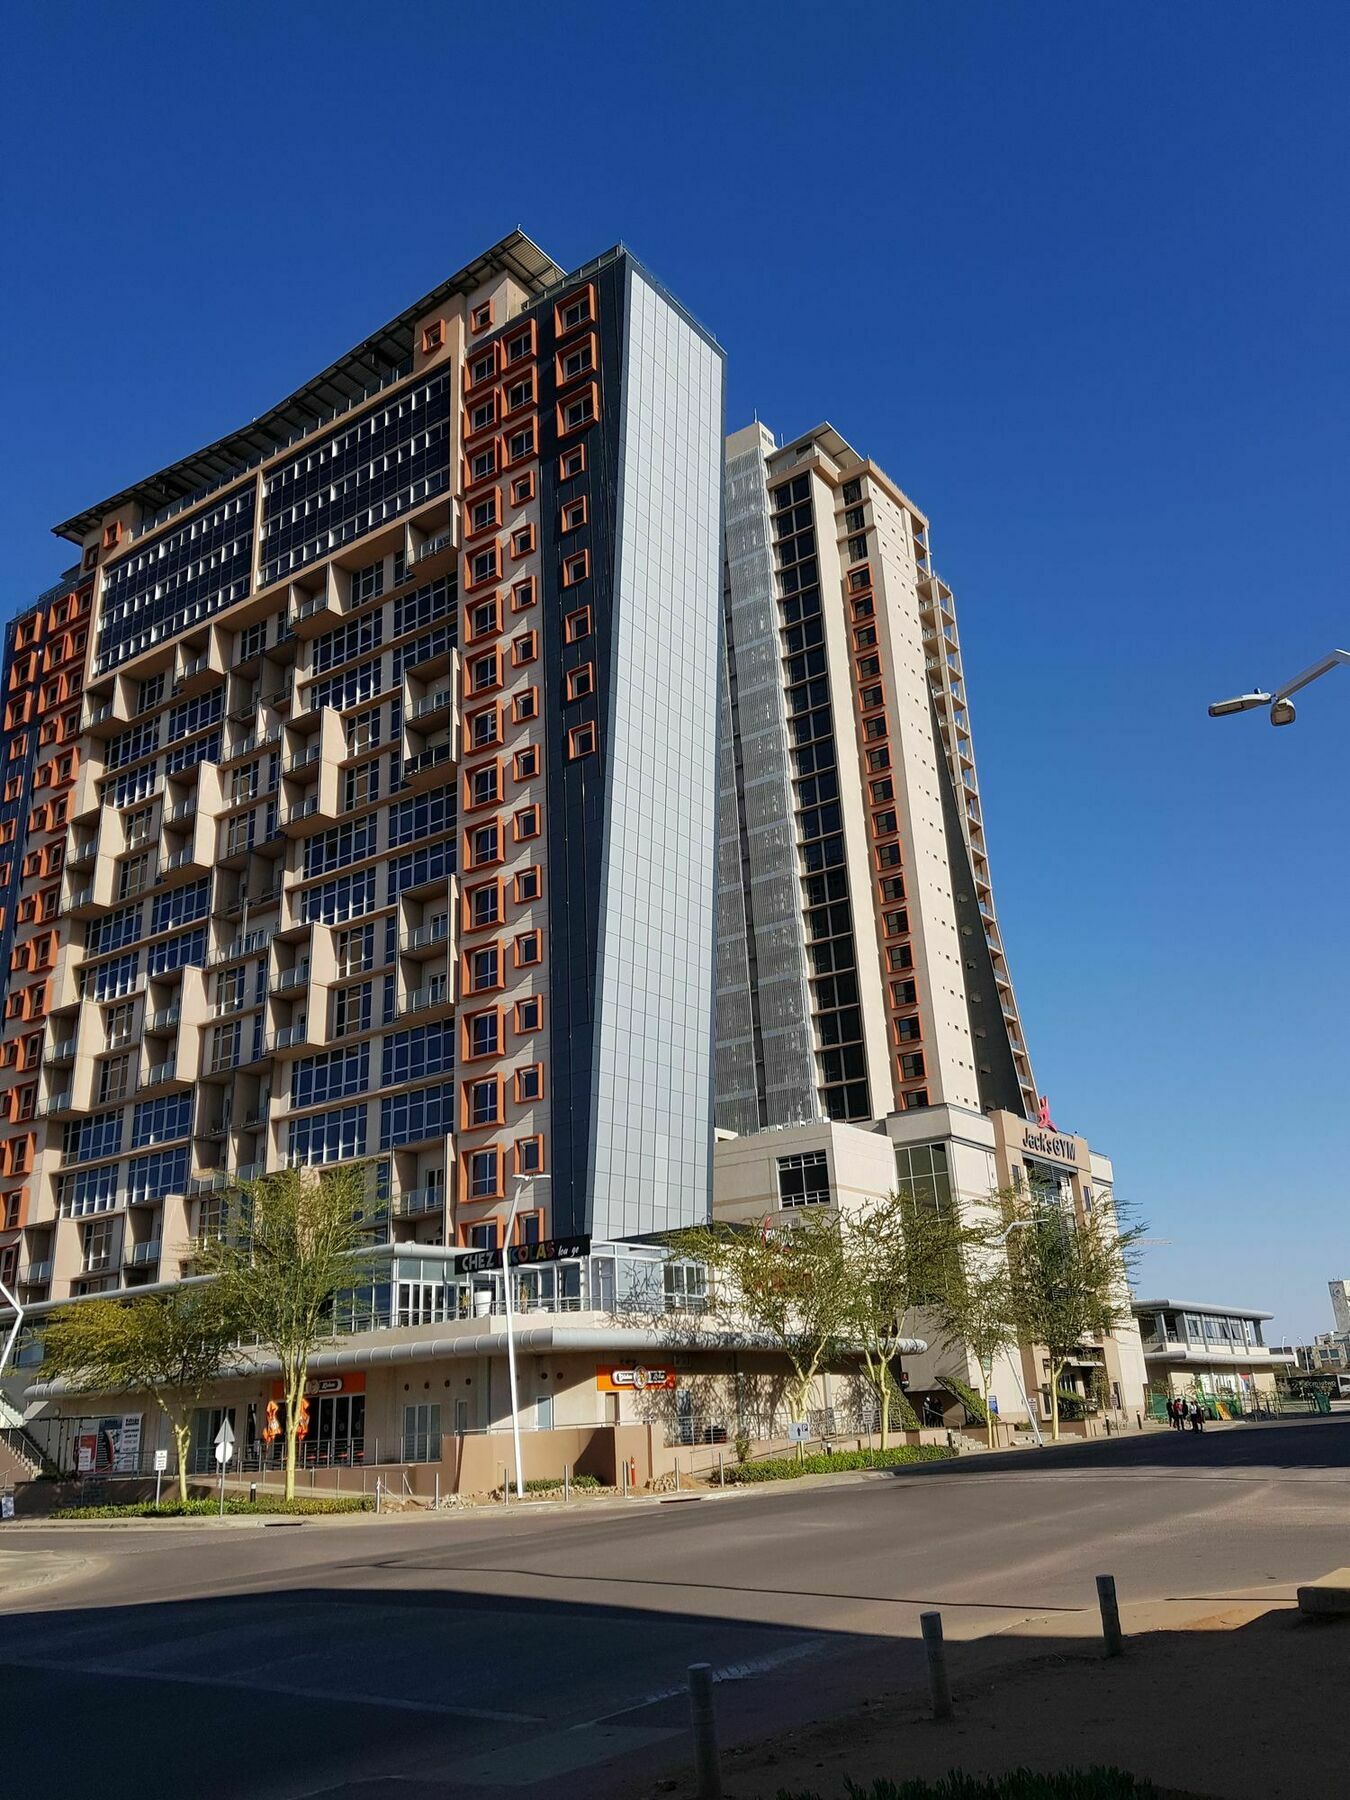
(10, 1300)
(522, 1182)
(998, 1243)
(1281, 706)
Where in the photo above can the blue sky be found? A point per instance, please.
(1077, 277)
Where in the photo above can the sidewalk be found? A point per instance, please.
(1240, 1704)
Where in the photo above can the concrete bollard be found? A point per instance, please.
(703, 1719)
(721, 1471)
(1112, 1636)
(253, 1493)
(936, 1651)
(567, 1483)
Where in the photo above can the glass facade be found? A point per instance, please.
(653, 1076)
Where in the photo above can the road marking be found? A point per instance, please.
(739, 1671)
(105, 1671)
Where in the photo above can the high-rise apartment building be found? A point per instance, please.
(388, 819)
(860, 967)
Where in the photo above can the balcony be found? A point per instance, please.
(36, 1274)
(138, 1256)
(160, 1075)
(434, 546)
(304, 761)
(311, 614)
(416, 1203)
(294, 818)
(423, 999)
(290, 1037)
(56, 1104)
(61, 1052)
(165, 1019)
(214, 1181)
(433, 706)
(289, 980)
(423, 768)
(80, 902)
(425, 937)
(249, 945)
(184, 809)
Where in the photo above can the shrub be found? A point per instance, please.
(552, 1484)
(1021, 1784)
(786, 1468)
(967, 1396)
(200, 1509)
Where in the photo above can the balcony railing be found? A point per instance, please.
(417, 1201)
(35, 1274)
(434, 546)
(165, 1019)
(430, 703)
(138, 1255)
(424, 935)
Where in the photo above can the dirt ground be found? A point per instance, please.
(1248, 1704)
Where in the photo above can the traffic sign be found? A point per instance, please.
(161, 1461)
(799, 1430)
(224, 1442)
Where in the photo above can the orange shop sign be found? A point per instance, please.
(628, 1378)
(319, 1385)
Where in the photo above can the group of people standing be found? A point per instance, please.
(1182, 1412)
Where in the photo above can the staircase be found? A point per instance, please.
(20, 1458)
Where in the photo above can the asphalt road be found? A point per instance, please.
(543, 1652)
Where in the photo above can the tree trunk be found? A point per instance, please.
(988, 1416)
(182, 1437)
(1054, 1402)
(295, 1393)
(885, 1405)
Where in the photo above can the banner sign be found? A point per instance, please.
(476, 1262)
(625, 1378)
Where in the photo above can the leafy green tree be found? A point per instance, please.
(901, 1255)
(1068, 1276)
(977, 1310)
(171, 1346)
(787, 1281)
(292, 1242)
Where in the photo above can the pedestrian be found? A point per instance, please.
(1195, 1415)
(1175, 1408)
(1199, 1415)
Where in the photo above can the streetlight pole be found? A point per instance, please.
(1281, 706)
(10, 1300)
(998, 1243)
(522, 1182)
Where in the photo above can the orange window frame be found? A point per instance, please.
(468, 983)
(481, 414)
(467, 1053)
(492, 569)
(531, 1006)
(535, 1068)
(582, 740)
(580, 301)
(580, 682)
(524, 649)
(475, 687)
(467, 1122)
(473, 862)
(576, 568)
(520, 1166)
(573, 515)
(527, 822)
(513, 455)
(577, 625)
(524, 594)
(519, 894)
(470, 804)
(523, 939)
(590, 393)
(521, 343)
(433, 336)
(480, 317)
(587, 343)
(522, 488)
(466, 1189)
(473, 743)
(491, 500)
(525, 705)
(480, 368)
(572, 462)
(525, 763)
(493, 885)
(522, 540)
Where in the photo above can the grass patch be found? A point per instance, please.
(201, 1509)
(1021, 1784)
(788, 1468)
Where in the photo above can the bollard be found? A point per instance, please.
(936, 1651)
(567, 1484)
(377, 1493)
(721, 1472)
(253, 1493)
(677, 1474)
(438, 1490)
(707, 1763)
(1112, 1636)
(506, 1486)
(1139, 1421)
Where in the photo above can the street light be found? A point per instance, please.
(1281, 706)
(10, 1300)
(522, 1181)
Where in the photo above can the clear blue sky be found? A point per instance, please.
(1077, 276)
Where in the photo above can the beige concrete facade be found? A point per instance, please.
(1188, 1345)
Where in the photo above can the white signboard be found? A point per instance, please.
(799, 1430)
(224, 1442)
(127, 1456)
(86, 1457)
(6, 1506)
(161, 1461)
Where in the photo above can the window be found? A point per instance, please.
(528, 884)
(485, 513)
(525, 823)
(520, 344)
(576, 567)
(529, 1083)
(529, 1155)
(483, 366)
(483, 464)
(882, 790)
(483, 786)
(520, 443)
(433, 336)
(878, 759)
(523, 593)
(576, 361)
(485, 618)
(581, 741)
(576, 310)
(580, 682)
(522, 488)
(529, 949)
(480, 317)
(483, 906)
(577, 625)
(859, 579)
(351, 1009)
(484, 969)
(484, 728)
(804, 1179)
(368, 583)
(520, 393)
(525, 705)
(485, 565)
(524, 649)
(573, 515)
(529, 1014)
(485, 845)
(485, 672)
(572, 462)
(482, 1034)
(522, 540)
(922, 1175)
(484, 1167)
(578, 412)
(483, 1103)
(525, 763)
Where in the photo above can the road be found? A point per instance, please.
(543, 1652)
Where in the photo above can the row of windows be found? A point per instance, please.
(333, 1075)
(186, 575)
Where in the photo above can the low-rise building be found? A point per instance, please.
(1217, 1349)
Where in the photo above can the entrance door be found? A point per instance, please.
(422, 1432)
